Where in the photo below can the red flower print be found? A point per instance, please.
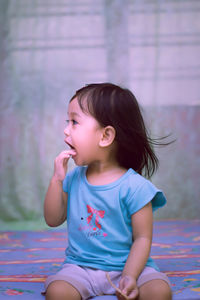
(13, 292)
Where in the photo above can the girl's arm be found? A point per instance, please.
(55, 204)
(142, 225)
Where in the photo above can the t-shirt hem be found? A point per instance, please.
(106, 267)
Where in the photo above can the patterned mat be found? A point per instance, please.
(28, 257)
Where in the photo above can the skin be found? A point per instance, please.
(94, 146)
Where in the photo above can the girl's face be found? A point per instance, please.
(82, 134)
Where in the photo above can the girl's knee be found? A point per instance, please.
(61, 290)
(155, 289)
(56, 289)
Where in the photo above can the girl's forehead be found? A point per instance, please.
(77, 106)
(74, 105)
(75, 109)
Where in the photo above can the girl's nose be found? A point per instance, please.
(66, 130)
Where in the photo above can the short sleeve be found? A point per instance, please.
(68, 180)
(144, 194)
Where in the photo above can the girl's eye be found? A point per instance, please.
(72, 121)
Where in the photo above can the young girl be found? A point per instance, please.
(107, 202)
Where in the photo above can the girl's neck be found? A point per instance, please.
(101, 173)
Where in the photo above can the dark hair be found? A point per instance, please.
(112, 105)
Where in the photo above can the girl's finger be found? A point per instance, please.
(119, 293)
(69, 153)
(133, 295)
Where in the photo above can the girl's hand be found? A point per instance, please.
(128, 287)
(60, 164)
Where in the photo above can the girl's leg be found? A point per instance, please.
(156, 289)
(61, 290)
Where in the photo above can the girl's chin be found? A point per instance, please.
(76, 161)
(79, 162)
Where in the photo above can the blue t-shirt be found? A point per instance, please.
(99, 218)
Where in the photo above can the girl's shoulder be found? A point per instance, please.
(134, 179)
(143, 191)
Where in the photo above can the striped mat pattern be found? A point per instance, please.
(28, 257)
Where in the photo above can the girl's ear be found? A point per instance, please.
(108, 136)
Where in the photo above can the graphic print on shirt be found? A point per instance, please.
(98, 213)
(93, 219)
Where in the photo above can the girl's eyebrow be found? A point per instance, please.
(74, 114)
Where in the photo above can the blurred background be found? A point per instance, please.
(49, 49)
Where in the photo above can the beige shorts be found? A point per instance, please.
(92, 282)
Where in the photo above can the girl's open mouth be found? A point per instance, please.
(71, 147)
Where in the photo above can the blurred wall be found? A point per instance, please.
(50, 48)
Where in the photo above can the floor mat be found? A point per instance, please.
(28, 257)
